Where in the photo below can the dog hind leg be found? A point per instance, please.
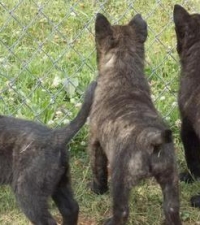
(169, 186)
(120, 193)
(67, 205)
(99, 169)
(35, 207)
(191, 145)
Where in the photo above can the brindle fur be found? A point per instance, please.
(34, 161)
(125, 129)
(188, 46)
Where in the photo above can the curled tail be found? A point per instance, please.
(66, 133)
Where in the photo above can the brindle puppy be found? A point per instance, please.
(126, 130)
(188, 46)
(34, 161)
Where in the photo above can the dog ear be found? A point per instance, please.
(182, 25)
(102, 27)
(140, 27)
(180, 16)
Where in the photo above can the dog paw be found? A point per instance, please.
(96, 189)
(186, 177)
(195, 201)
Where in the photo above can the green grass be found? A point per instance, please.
(41, 46)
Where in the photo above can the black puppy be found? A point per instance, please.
(34, 161)
(126, 130)
(188, 46)
(187, 28)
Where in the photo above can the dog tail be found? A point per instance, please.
(66, 133)
(160, 137)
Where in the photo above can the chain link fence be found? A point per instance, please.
(47, 54)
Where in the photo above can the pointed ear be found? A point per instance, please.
(180, 15)
(140, 26)
(102, 26)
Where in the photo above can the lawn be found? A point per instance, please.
(47, 59)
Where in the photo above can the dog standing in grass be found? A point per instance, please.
(34, 161)
(187, 28)
(125, 128)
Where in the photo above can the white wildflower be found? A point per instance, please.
(178, 123)
(167, 118)
(66, 121)
(162, 98)
(174, 104)
(78, 104)
(72, 100)
(73, 14)
(56, 81)
(50, 122)
(59, 113)
(83, 143)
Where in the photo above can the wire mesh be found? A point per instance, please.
(47, 54)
